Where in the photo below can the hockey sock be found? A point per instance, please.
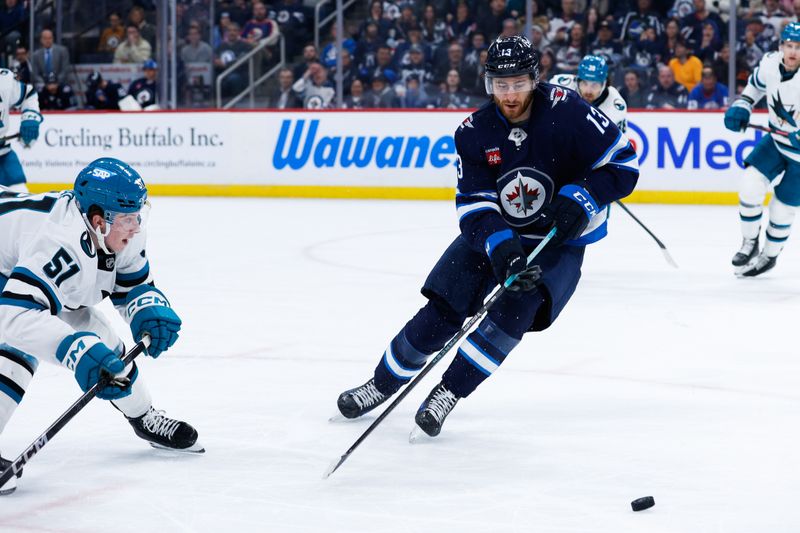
(16, 372)
(138, 402)
(478, 357)
(752, 191)
(781, 217)
(426, 333)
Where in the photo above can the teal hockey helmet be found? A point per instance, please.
(791, 32)
(595, 68)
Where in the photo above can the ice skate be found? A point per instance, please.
(10, 485)
(166, 433)
(758, 266)
(433, 411)
(746, 253)
(360, 400)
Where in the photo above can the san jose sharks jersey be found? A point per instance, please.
(509, 172)
(15, 95)
(782, 89)
(609, 102)
(49, 265)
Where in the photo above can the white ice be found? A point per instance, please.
(680, 384)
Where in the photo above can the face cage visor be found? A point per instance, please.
(498, 86)
(126, 222)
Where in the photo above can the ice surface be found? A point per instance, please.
(680, 384)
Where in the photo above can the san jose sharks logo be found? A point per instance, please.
(523, 192)
(784, 113)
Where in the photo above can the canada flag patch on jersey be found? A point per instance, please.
(493, 156)
(557, 94)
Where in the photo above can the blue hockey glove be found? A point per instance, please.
(29, 127)
(90, 359)
(148, 310)
(737, 118)
(569, 212)
(508, 258)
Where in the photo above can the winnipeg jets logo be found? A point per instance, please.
(522, 193)
(783, 112)
(517, 135)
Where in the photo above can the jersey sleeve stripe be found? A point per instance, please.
(22, 94)
(25, 361)
(20, 300)
(618, 144)
(24, 275)
(471, 209)
(133, 279)
(11, 389)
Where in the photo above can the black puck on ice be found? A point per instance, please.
(640, 504)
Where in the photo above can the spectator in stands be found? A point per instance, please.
(569, 56)
(402, 55)
(112, 35)
(12, 19)
(490, 19)
(134, 49)
(462, 26)
(561, 25)
(49, 58)
(667, 94)
(310, 55)
(329, 53)
(387, 31)
(21, 64)
(285, 97)
(510, 27)
(709, 93)
(417, 67)
(219, 30)
(146, 30)
(195, 50)
(635, 22)
(476, 45)
(721, 63)
(56, 96)
(295, 21)
(260, 26)
(672, 34)
(710, 45)
(231, 49)
(314, 88)
(479, 88)
(382, 95)
(145, 89)
(407, 19)
(414, 94)
(748, 49)
(355, 100)
(604, 44)
(103, 94)
(239, 12)
(453, 61)
(452, 95)
(434, 29)
(383, 61)
(632, 91)
(367, 47)
(547, 64)
(692, 24)
(686, 68)
(774, 17)
(538, 38)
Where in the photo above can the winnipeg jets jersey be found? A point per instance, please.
(609, 102)
(782, 90)
(49, 266)
(15, 95)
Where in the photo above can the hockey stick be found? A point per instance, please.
(9, 137)
(447, 347)
(667, 256)
(74, 409)
(769, 129)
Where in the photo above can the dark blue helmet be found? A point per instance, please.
(112, 185)
(512, 56)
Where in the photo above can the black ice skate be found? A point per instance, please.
(758, 267)
(10, 485)
(431, 414)
(356, 402)
(166, 433)
(748, 251)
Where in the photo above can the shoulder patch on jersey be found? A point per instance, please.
(493, 156)
(561, 80)
(87, 245)
(557, 94)
(619, 104)
(467, 123)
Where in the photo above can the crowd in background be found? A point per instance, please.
(418, 53)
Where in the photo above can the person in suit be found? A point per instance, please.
(51, 57)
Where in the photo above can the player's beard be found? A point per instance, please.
(513, 114)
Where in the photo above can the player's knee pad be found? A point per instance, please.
(446, 311)
(780, 213)
(753, 187)
(16, 372)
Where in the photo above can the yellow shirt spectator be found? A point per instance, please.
(688, 69)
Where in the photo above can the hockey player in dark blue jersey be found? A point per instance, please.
(536, 157)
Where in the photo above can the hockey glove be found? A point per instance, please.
(794, 138)
(737, 117)
(90, 359)
(508, 258)
(148, 310)
(569, 212)
(29, 127)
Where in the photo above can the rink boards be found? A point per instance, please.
(685, 157)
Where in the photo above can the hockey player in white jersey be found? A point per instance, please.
(776, 78)
(16, 95)
(591, 83)
(62, 254)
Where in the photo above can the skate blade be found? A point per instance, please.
(417, 436)
(194, 448)
(6, 492)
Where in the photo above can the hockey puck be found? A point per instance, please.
(640, 504)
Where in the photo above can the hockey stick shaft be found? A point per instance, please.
(661, 245)
(447, 347)
(69, 414)
(769, 129)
